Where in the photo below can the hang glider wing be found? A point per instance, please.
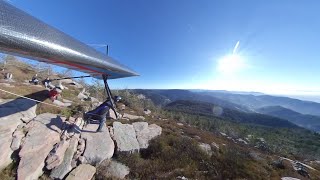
(23, 35)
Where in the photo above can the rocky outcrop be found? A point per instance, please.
(82, 172)
(65, 167)
(125, 137)
(145, 133)
(17, 137)
(12, 112)
(99, 145)
(56, 155)
(44, 132)
(132, 117)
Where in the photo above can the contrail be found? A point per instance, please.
(236, 47)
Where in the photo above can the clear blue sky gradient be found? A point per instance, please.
(177, 43)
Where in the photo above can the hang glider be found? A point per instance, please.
(23, 35)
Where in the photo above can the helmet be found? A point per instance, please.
(117, 98)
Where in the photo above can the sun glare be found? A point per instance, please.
(231, 64)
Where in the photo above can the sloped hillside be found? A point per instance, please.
(148, 142)
(304, 120)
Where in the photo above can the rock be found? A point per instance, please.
(206, 148)
(113, 169)
(76, 85)
(215, 145)
(17, 137)
(44, 132)
(23, 109)
(179, 124)
(125, 137)
(65, 167)
(11, 114)
(182, 178)
(82, 172)
(62, 104)
(242, 141)
(66, 81)
(255, 155)
(94, 100)
(146, 111)
(99, 145)
(56, 155)
(145, 133)
(74, 127)
(82, 96)
(82, 160)
(289, 178)
(122, 107)
(132, 117)
(223, 134)
(112, 114)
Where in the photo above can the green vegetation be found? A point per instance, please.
(287, 141)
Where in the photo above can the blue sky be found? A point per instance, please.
(188, 43)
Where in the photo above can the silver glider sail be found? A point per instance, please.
(23, 35)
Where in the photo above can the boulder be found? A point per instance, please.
(62, 104)
(76, 85)
(82, 172)
(132, 117)
(112, 169)
(82, 96)
(179, 124)
(11, 114)
(65, 167)
(206, 148)
(125, 137)
(17, 137)
(56, 155)
(146, 132)
(44, 132)
(23, 109)
(146, 111)
(99, 145)
(289, 178)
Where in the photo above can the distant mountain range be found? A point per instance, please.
(307, 121)
(302, 113)
(209, 109)
(254, 102)
(163, 97)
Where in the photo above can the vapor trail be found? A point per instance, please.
(236, 47)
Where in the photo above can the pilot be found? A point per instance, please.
(101, 112)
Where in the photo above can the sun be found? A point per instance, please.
(231, 64)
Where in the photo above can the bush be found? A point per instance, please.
(167, 157)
